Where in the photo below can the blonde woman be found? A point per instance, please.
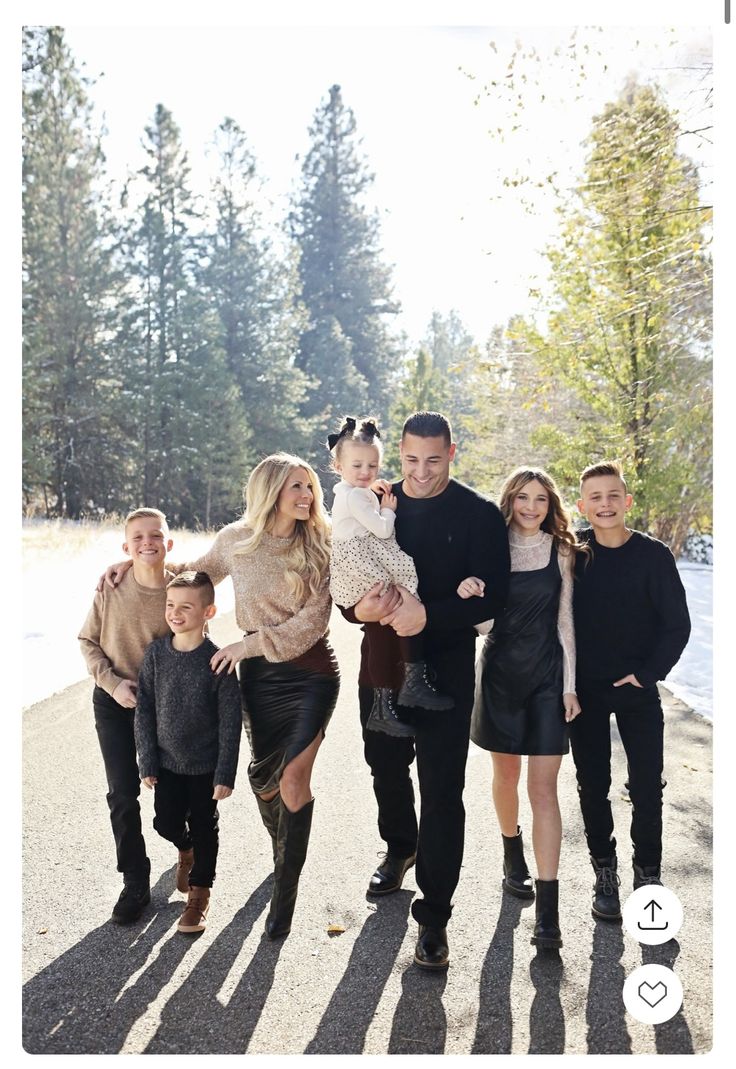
(278, 558)
(525, 691)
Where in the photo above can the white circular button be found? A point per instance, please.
(652, 914)
(652, 994)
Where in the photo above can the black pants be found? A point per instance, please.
(640, 721)
(441, 748)
(186, 815)
(114, 726)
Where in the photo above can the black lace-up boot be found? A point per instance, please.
(606, 904)
(416, 690)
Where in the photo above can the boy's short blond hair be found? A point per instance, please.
(195, 581)
(146, 513)
(604, 467)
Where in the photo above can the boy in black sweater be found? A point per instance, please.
(631, 626)
(187, 733)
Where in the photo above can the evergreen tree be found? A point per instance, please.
(185, 406)
(254, 292)
(422, 389)
(72, 444)
(343, 281)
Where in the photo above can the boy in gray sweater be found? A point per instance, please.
(187, 733)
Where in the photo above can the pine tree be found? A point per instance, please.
(253, 288)
(72, 444)
(344, 285)
(185, 407)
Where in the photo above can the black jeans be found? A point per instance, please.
(114, 726)
(186, 815)
(638, 712)
(441, 748)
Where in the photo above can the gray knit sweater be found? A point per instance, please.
(187, 720)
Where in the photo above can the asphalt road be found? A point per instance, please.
(93, 987)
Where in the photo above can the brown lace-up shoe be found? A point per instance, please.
(194, 917)
(183, 868)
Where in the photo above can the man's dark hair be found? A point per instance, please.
(428, 425)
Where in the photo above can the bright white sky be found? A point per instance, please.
(456, 237)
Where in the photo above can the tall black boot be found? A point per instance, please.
(383, 716)
(291, 850)
(417, 690)
(547, 923)
(516, 878)
(269, 811)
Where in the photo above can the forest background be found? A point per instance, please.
(171, 338)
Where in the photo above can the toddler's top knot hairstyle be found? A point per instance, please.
(366, 434)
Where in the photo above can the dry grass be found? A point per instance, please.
(44, 539)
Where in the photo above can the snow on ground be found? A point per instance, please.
(60, 571)
(58, 588)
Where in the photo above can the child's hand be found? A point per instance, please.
(572, 706)
(125, 694)
(381, 486)
(389, 501)
(150, 781)
(472, 587)
(228, 657)
(222, 792)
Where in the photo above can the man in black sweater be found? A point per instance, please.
(631, 626)
(451, 532)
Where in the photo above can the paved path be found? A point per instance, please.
(93, 987)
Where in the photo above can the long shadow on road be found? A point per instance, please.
(351, 1009)
(194, 1021)
(80, 1004)
(493, 1033)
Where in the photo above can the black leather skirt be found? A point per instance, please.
(285, 707)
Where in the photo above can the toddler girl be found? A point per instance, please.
(365, 552)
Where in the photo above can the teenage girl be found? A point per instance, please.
(525, 691)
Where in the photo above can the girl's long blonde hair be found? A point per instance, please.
(307, 556)
(557, 522)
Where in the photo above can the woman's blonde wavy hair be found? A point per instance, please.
(557, 522)
(307, 556)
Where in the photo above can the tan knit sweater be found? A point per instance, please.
(284, 629)
(119, 626)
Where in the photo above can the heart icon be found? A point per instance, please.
(652, 995)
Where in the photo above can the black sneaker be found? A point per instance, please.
(133, 899)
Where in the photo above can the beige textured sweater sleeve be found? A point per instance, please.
(119, 626)
(295, 635)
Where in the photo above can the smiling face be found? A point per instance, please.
(529, 509)
(295, 499)
(604, 502)
(147, 541)
(425, 465)
(187, 608)
(359, 463)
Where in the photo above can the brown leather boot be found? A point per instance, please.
(194, 917)
(183, 868)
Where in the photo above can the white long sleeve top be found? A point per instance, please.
(356, 512)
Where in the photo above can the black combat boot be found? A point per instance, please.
(516, 878)
(606, 904)
(547, 922)
(417, 690)
(383, 716)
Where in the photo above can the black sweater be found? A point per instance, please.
(451, 536)
(188, 719)
(630, 611)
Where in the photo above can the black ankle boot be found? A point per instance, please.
(291, 850)
(516, 878)
(383, 716)
(644, 874)
(547, 923)
(417, 690)
(270, 811)
(606, 904)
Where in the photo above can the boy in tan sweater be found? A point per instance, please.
(118, 628)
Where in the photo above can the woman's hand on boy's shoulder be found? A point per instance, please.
(113, 575)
